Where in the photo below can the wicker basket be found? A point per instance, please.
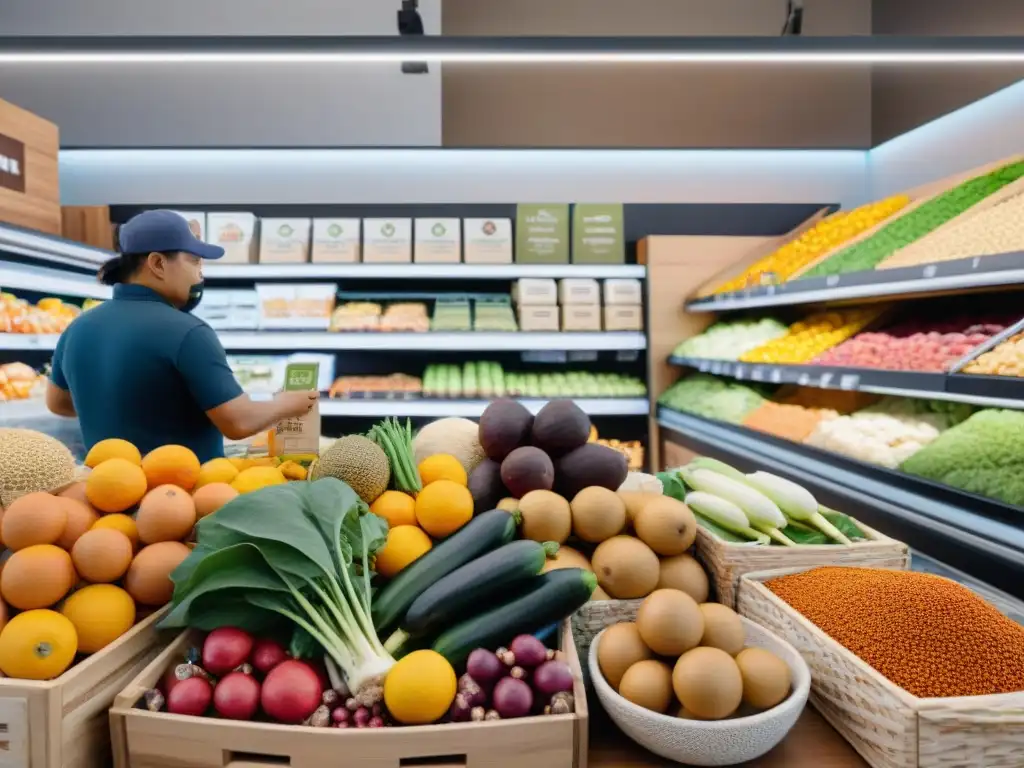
(888, 726)
(594, 616)
(726, 561)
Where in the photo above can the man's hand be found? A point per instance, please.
(295, 404)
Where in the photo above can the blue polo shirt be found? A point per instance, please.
(139, 369)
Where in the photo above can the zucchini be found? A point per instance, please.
(550, 597)
(477, 537)
(453, 597)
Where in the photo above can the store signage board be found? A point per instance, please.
(12, 164)
(542, 233)
(597, 234)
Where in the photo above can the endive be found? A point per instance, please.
(795, 501)
(761, 511)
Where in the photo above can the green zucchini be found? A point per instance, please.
(550, 597)
(480, 535)
(453, 597)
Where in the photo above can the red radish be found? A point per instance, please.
(237, 696)
(224, 649)
(512, 698)
(267, 654)
(552, 677)
(190, 697)
(291, 692)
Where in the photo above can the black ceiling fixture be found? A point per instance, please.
(794, 18)
(410, 24)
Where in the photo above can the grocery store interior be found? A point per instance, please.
(786, 235)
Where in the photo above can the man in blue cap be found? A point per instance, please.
(143, 369)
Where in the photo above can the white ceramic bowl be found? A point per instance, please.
(720, 742)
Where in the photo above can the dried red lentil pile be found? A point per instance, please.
(929, 635)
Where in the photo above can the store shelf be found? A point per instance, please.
(52, 282)
(28, 341)
(961, 275)
(988, 391)
(434, 408)
(16, 412)
(419, 271)
(467, 341)
(980, 536)
(36, 245)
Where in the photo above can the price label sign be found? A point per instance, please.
(757, 374)
(739, 371)
(929, 271)
(826, 379)
(703, 366)
(546, 357)
(803, 379)
(583, 357)
(832, 281)
(849, 381)
(627, 356)
(776, 376)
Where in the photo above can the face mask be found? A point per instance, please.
(195, 295)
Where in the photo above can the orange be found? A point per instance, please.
(443, 507)
(171, 465)
(405, 544)
(212, 497)
(37, 577)
(113, 448)
(442, 466)
(396, 507)
(101, 613)
(118, 522)
(420, 688)
(216, 471)
(81, 517)
(115, 485)
(166, 513)
(35, 518)
(102, 555)
(37, 645)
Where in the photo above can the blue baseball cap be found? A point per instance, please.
(165, 231)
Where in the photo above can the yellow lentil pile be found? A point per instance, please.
(929, 635)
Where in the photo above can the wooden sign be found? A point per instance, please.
(29, 191)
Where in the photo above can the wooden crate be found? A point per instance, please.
(63, 723)
(888, 726)
(727, 562)
(144, 739)
(30, 198)
(918, 197)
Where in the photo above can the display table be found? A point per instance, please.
(813, 743)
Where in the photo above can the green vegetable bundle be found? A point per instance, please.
(297, 555)
(396, 442)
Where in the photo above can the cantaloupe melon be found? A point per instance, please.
(31, 461)
(358, 461)
(457, 437)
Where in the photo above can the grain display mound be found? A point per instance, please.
(358, 461)
(31, 461)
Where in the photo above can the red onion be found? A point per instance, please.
(512, 698)
(552, 677)
(529, 651)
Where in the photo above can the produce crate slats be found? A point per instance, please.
(888, 726)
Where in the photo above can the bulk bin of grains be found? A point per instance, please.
(913, 669)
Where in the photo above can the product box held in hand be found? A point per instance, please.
(299, 436)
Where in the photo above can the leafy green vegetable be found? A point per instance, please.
(720, 533)
(844, 523)
(672, 484)
(396, 442)
(300, 552)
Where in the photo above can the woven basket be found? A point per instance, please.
(888, 726)
(726, 561)
(589, 620)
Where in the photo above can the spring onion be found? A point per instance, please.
(761, 511)
(724, 514)
(706, 462)
(795, 501)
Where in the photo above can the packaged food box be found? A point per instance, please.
(284, 241)
(623, 317)
(336, 241)
(303, 306)
(623, 290)
(438, 241)
(581, 317)
(235, 233)
(542, 233)
(579, 290)
(532, 291)
(387, 241)
(597, 234)
(299, 436)
(487, 241)
(538, 318)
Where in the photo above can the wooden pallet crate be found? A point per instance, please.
(62, 723)
(888, 726)
(143, 739)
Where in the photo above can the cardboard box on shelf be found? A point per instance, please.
(299, 436)
(235, 233)
(336, 241)
(623, 317)
(88, 224)
(284, 241)
(535, 291)
(538, 318)
(196, 222)
(304, 306)
(438, 241)
(579, 290)
(542, 233)
(487, 241)
(623, 290)
(597, 234)
(581, 317)
(387, 241)
(29, 192)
